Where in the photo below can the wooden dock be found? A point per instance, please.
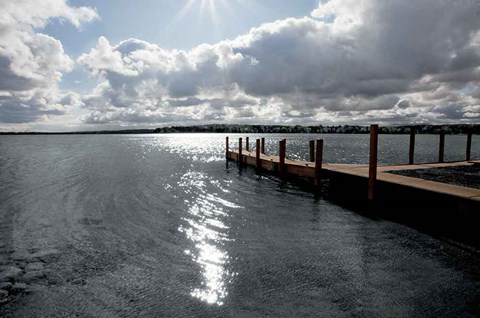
(444, 210)
(307, 169)
(372, 174)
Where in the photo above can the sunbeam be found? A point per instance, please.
(205, 12)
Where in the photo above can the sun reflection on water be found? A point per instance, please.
(193, 147)
(205, 227)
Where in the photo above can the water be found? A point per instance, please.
(160, 226)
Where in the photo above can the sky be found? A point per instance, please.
(94, 65)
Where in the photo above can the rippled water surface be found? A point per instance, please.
(160, 226)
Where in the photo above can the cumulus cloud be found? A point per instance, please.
(32, 63)
(349, 61)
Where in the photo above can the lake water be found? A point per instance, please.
(160, 226)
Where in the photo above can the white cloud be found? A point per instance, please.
(26, 13)
(351, 61)
(32, 63)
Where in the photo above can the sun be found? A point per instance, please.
(205, 10)
(211, 16)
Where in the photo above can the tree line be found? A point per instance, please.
(278, 129)
(340, 129)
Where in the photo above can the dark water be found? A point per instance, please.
(159, 226)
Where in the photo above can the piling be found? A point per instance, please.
(372, 167)
(282, 154)
(262, 150)
(469, 146)
(441, 147)
(240, 157)
(247, 144)
(411, 151)
(318, 161)
(312, 150)
(226, 147)
(258, 163)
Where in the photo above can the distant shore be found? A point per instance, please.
(276, 129)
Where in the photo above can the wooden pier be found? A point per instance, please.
(373, 175)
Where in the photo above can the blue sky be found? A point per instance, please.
(161, 21)
(91, 65)
(172, 24)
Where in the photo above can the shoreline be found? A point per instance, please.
(451, 129)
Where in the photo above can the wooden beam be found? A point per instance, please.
(282, 154)
(262, 150)
(469, 145)
(411, 150)
(312, 150)
(372, 167)
(257, 154)
(247, 144)
(240, 158)
(226, 147)
(318, 161)
(441, 146)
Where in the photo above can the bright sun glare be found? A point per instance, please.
(214, 14)
(206, 10)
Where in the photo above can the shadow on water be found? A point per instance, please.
(448, 222)
(453, 220)
(440, 216)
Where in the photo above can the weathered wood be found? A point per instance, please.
(318, 161)
(257, 155)
(240, 157)
(441, 146)
(262, 150)
(247, 144)
(226, 147)
(282, 154)
(249, 160)
(372, 167)
(411, 151)
(312, 150)
(268, 165)
(300, 171)
(469, 146)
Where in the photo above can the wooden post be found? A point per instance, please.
(247, 144)
(469, 145)
(240, 158)
(372, 168)
(226, 147)
(411, 151)
(257, 154)
(312, 150)
(318, 161)
(282, 153)
(262, 150)
(441, 147)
